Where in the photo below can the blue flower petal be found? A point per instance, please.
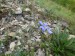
(49, 31)
(40, 22)
(45, 24)
(42, 28)
(47, 27)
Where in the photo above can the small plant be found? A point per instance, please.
(44, 27)
(58, 44)
(61, 46)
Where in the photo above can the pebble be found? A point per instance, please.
(11, 34)
(18, 10)
(27, 9)
(38, 40)
(12, 46)
(32, 23)
(71, 36)
(39, 53)
(19, 43)
(26, 47)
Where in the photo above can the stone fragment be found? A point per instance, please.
(39, 53)
(71, 36)
(12, 46)
(18, 10)
(27, 9)
(11, 34)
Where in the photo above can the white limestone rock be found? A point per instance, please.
(12, 46)
(27, 9)
(71, 36)
(18, 10)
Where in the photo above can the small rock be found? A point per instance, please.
(18, 10)
(11, 34)
(32, 23)
(20, 31)
(26, 47)
(24, 26)
(38, 40)
(31, 47)
(27, 9)
(37, 37)
(41, 10)
(19, 43)
(33, 39)
(39, 53)
(14, 22)
(29, 42)
(18, 37)
(51, 55)
(55, 22)
(12, 46)
(49, 23)
(28, 17)
(71, 36)
(1, 29)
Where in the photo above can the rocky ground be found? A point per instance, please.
(18, 29)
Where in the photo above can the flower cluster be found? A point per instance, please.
(44, 27)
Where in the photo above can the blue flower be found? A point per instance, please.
(44, 27)
(40, 22)
(45, 24)
(49, 31)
